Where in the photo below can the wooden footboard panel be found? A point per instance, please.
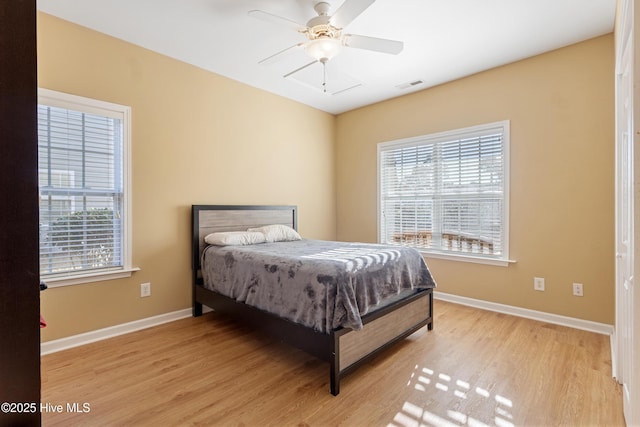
(382, 331)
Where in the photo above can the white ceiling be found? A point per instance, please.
(443, 39)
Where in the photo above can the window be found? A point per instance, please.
(83, 173)
(447, 194)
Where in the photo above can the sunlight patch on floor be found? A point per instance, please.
(427, 381)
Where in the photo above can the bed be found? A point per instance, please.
(344, 317)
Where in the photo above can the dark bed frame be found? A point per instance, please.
(344, 348)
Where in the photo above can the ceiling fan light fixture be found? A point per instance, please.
(324, 48)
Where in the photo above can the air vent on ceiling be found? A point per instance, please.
(409, 84)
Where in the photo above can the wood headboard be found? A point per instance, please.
(206, 219)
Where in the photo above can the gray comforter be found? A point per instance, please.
(320, 284)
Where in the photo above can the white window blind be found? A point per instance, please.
(82, 189)
(447, 193)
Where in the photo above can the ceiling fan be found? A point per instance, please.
(325, 34)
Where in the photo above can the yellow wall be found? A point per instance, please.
(197, 138)
(561, 108)
(200, 138)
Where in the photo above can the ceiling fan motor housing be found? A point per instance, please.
(323, 18)
(320, 31)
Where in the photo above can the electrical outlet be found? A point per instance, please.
(145, 290)
(577, 290)
(538, 283)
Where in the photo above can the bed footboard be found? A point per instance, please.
(381, 330)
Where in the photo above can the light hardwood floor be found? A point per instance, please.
(475, 368)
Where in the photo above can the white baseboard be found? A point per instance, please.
(571, 322)
(112, 331)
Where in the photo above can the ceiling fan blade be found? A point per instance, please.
(299, 69)
(349, 11)
(278, 20)
(279, 55)
(392, 47)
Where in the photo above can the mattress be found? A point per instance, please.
(324, 285)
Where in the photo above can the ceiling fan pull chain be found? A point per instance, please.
(324, 76)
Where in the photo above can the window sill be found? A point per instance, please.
(469, 258)
(55, 282)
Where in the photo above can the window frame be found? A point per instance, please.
(468, 132)
(57, 99)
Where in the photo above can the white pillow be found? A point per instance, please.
(234, 238)
(278, 233)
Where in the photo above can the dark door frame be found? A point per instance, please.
(19, 269)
